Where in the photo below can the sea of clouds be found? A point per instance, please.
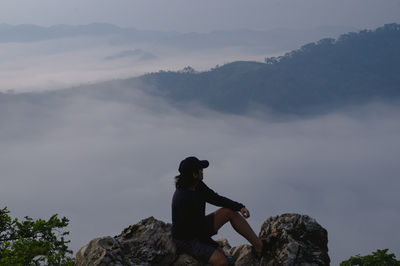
(108, 163)
(66, 62)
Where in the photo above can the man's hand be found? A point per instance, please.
(245, 212)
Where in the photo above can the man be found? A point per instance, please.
(192, 229)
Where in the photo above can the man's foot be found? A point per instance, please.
(267, 243)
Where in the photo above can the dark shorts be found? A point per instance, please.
(200, 248)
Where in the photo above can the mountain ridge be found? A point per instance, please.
(355, 68)
(317, 78)
(274, 39)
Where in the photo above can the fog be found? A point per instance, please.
(106, 164)
(67, 62)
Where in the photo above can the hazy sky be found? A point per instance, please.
(205, 15)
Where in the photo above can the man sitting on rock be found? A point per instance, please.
(192, 229)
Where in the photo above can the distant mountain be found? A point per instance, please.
(31, 33)
(355, 68)
(275, 40)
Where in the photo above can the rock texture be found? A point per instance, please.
(148, 242)
(302, 241)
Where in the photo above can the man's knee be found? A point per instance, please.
(228, 212)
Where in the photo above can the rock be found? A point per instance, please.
(100, 251)
(187, 260)
(244, 255)
(302, 241)
(148, 242)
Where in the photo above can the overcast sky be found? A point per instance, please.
(205, 15)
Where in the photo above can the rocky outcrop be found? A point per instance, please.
(302, 241)
(148, 242)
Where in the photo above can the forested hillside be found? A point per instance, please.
(355, 68)
(319, 77)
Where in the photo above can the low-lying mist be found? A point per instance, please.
(61, 63)
(106, 164)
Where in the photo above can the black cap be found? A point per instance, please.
(191, 164)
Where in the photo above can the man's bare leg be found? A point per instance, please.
(223, 215)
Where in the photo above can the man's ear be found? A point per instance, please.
(196, 174)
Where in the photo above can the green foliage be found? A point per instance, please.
(33, 242)
(379, 257)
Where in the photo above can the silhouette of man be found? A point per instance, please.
(192, 228)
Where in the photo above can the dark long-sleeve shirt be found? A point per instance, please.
(188, 210)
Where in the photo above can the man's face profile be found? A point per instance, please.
(198, 175)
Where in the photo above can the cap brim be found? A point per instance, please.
(204, 164)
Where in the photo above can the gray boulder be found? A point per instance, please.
(100, 251)
(148, 242)
(244, 255)
(301, 241)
